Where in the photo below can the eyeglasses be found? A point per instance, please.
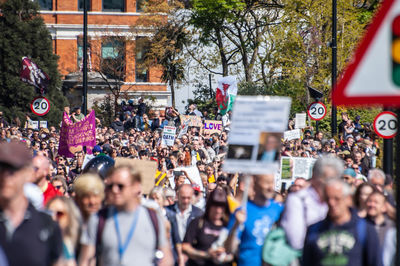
(111, 186)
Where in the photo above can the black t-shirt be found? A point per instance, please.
(201, 234)
(37, 241)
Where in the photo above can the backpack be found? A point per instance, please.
(104, 214)
(276, 249)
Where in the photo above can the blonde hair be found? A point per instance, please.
(87, 184)
(74, 219)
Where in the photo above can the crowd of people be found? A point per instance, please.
(54, 212)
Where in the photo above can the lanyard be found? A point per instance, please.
(123, 246)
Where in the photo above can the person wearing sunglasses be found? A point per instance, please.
(132, 234)
(66, 214)
(59, 183)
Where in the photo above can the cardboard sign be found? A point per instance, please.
(256, 132)
(168, 136)
(146, 168)
(184, 129)
(194, 121)
(300, 120)
(213, 126)
(291, 134)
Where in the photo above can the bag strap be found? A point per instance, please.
(361, 231)
(154, 221)
(102, 214)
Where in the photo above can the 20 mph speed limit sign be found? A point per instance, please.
(40, 106)
(385, 125)
(316, 111)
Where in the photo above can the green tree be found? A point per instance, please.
(169, 36)
(23, 33)
(204, 98)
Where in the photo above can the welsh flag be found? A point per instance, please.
(226, 93)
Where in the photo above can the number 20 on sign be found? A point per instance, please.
(385, 124)
(40, 106)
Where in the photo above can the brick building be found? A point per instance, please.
(115, 50)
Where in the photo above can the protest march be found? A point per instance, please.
(252, 186)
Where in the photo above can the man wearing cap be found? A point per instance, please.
(349, 176)
(22, 227)
(348, 144)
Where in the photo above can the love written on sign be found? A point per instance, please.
(212, 126)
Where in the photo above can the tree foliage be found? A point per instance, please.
(23, 33)
(169, 36)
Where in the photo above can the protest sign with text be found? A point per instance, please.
(256, 130)
(295, 167)
(168, 136)
(75, 136)
(213, 126)
(292, 134)
(300, 120)
(194, 121)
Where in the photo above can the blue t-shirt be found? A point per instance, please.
(258, 223)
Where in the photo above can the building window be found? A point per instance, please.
(46, 4)
(140, 5)
(113, 59)
(141, 71)
(80, 5)
(114, 5)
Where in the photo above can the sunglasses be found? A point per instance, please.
(111, 186)
(58, 187)
(59, 214)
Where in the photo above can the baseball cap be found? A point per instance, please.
(96, 148)
(349, 136)
(15, 154)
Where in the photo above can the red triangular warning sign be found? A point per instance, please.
(368, 79)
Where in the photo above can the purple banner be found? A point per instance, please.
(75, 136)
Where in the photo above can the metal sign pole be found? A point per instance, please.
(397, 182)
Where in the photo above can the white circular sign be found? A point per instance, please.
(40, 106)
(316, 111)
(385, 125)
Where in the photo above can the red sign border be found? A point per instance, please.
(376, 131)
(308, 111)
(338, 95)
(33, 110)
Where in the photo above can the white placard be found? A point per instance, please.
(256, 131)
(300, 120)
(192, 172)
(34, 124)
(168, 136)
(43, 124)
(295, 167)
(292, 134)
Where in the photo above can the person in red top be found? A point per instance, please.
(41, 165)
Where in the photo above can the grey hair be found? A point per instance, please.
(157, 190)
(169, 192)
(376, 173)
(346, 189)
(328, 161)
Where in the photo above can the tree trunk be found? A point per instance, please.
(224, 61)
(171, 85)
